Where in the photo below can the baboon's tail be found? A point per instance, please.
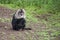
(27, 28)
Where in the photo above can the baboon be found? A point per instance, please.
(18, 20)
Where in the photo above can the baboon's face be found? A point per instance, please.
(20, 13)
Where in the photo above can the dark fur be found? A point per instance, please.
(18, 24)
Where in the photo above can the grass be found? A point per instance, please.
(5, 20)
(37, 8)
(52, 23)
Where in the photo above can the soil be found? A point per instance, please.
(6, 32)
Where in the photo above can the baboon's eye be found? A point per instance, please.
(20, 13)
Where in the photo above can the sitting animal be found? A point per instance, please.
(18, 20)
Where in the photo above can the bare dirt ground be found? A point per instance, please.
(6, 32)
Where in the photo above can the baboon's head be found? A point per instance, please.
(20, 14)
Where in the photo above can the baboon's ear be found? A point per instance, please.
(23, 10)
